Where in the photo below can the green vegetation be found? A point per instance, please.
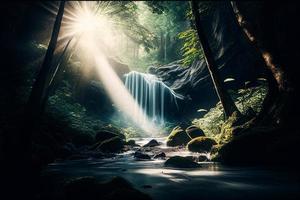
(178, 137)
(191, 50)
(201, 144)
(211, 123)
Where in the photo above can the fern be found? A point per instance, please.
(191, 49)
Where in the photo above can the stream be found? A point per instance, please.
(210, 181)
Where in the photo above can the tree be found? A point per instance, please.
(226, 100)
(38, 92)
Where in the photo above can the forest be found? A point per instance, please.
(149, 100)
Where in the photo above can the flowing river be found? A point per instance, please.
(210, 181)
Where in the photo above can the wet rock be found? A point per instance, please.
(177, 137)
(147, 186)
(67, 150)
(131, 143)
(181, 162)
(193, 131)
(78, 157)
(201, 144)
(152, 143)
(114, 144)
(104, 135)
(141, 155)
(160, 155)
(114, 189)
(202, 158)
(81, 139)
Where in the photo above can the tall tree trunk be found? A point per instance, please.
(226, 100)
(36, 99)
(24, 174)
(274, 74)
(43, 79)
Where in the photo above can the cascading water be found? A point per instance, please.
(151, 94)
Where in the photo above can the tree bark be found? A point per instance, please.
(274, 75)
(44, 77)
(226, 100)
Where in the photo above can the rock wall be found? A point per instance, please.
(234, 55)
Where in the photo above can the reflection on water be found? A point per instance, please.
(210, 181)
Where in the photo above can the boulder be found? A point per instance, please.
(202, 158)
(193, 131)
(181, 162)
(141, 155)
(78, 188)
(114, 144)
(114, 189)
(131, 143)
(152, 143)
(160, 155)
(201, 144)
(104, 135)
(81, 139)
(177, 137)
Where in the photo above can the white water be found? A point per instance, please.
(152, 95)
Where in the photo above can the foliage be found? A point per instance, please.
(164, 20)
(64, 107)
(191, 49)
(211, 123)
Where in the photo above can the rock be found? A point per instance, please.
(114, 144)
(152, 143)
(78, 157)
(120, 68)
(67, 150)
(181, 162)
(81, 139)
(114, 189)
(147, 186)
(201, 144)
(131, 143)
(202, 158)
(115, 130)
(141, 155)
(177, 137)
(159, 155)
(104, 135)
(78, 188)
(193, 131)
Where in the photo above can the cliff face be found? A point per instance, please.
(234, 55)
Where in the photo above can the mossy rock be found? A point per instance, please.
(181, 162)
(114, 144)
(201, 144)
(194, 131)
(131, 143)
(152, 143)
(81, 139)
(113, 129)
(177, 137)
(104, 135)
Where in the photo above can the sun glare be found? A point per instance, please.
(97, 39)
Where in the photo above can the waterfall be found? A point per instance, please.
(151, 94)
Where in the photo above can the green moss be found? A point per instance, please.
(201, 144)
(178, 137)
(194, 131)
(212, 122)
(181, 162)
(114, 144)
